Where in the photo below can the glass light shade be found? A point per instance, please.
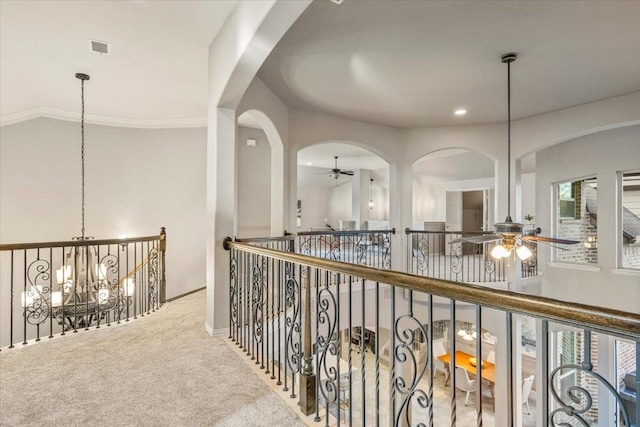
(103, 295)
(461, 333)
(499, 251)
(56, 299)
(129, 287)
(63, 277)
(591, 243)
(467, 337)
(523, 252)
(370, 204)
(101, 271)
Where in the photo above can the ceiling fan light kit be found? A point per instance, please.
(509, 233)
(336, 172)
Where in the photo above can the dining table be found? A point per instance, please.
(464, 360)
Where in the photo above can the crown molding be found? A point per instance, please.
(52, 113)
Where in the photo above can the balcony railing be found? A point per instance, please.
(361, 345)
(364, 247)
(51, 288)
(430, 254)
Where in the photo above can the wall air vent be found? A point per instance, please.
(102, 48)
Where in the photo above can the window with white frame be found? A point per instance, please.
(630, 215)
(577, 219)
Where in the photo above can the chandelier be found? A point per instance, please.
(89, 286)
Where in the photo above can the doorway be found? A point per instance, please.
(467, 211)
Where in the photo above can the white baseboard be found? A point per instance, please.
(216, 333)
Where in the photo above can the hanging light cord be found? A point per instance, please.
(508, 141)
(82, 156)
(508, 59)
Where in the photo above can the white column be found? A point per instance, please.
(400, 202)
(221, 208)
(240, 48)
(356, 199)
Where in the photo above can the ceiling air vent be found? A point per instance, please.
(100, 47)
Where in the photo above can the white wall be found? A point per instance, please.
(528, 185)
(601, 154)
(315, 207)
(340, 206)
(137, 180)
(254, 184)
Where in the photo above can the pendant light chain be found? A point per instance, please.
(82, 77)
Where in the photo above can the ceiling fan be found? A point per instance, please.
(336, 172)
(511, 234)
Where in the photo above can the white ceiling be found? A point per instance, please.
(411, 64)
(157, 70)
(403, 63)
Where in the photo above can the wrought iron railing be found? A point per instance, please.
(312, 323)
(529, 267)
(364, 247)
(430, 254)
(282, 243)
(51, 288)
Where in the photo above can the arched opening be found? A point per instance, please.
(260, 184)
(354, 195)
(452, 190)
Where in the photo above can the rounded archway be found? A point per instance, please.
(348, 193)
(453, 187)
(260, 184)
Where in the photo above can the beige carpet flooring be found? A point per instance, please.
(160, 370)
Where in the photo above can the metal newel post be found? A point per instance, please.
(307, 378)
(163, 277)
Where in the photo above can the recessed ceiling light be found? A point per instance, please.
(460, 112)
(309, 163)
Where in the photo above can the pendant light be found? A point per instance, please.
(508, 229)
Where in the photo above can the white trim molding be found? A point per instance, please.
(52, 113)
(626, 272)
(217, 332)
(571, 266)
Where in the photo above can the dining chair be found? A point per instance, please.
(527, 383)
(439, 365)
(464, 383)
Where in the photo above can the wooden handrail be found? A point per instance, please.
(604, 320)
(74, 243)
(152, 253)
(286, 238)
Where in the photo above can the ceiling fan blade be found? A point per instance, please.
(350, 173)
(476, 239)
(550, 245)
(550, 240)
